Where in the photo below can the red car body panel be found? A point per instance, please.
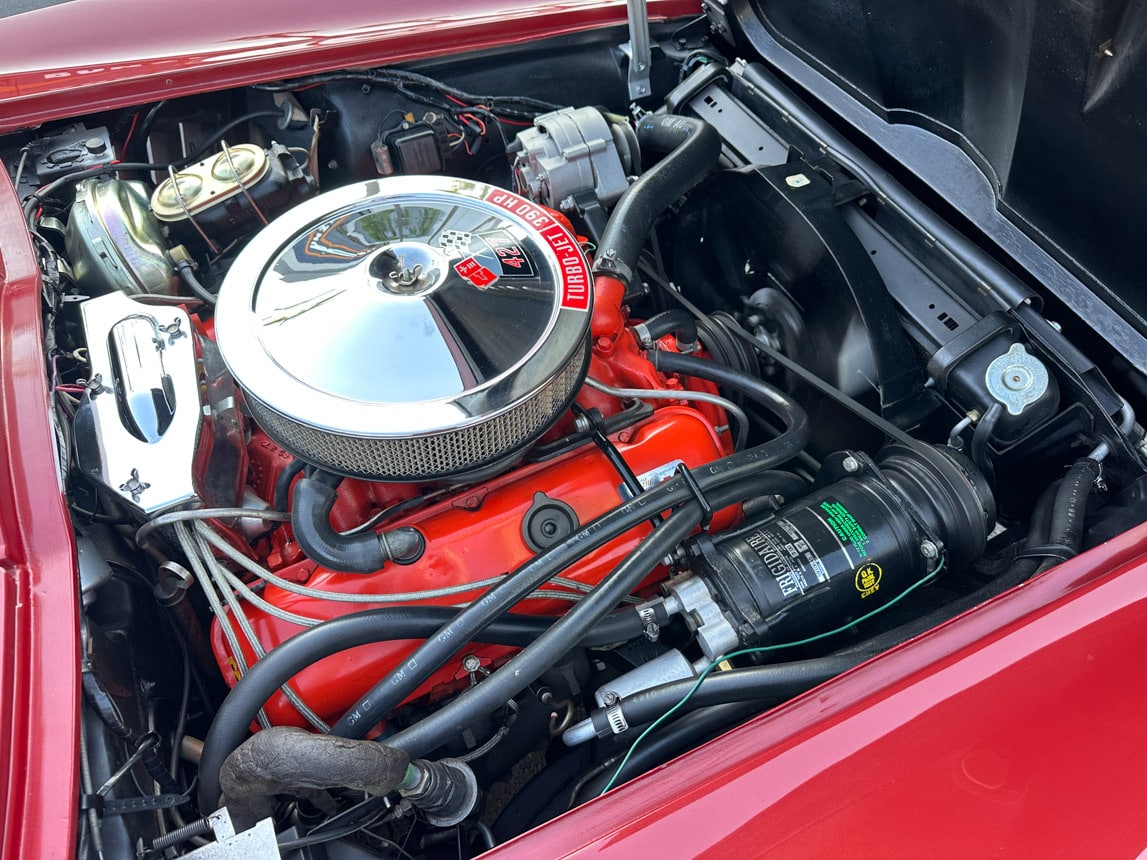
(132, 51)
(1015, 728)
(39, 599)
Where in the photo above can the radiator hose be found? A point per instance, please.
(694, 147)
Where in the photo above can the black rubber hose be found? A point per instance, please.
(528, 665)
(282, 495)
(1071, 504)
(187, 275)
(753, 388)
(139, 141)
(779, 681)
(673, 321)
(1057, 506)
(386, 695)
(366, 552)
(694, 147)
(229, 728)
(239, 708)
(981, 436)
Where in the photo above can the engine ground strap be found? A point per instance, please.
(128, 805)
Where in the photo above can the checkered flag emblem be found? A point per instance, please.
(455, 242)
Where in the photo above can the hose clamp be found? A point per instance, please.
(648, 615)
(613, 715)
(644, 338)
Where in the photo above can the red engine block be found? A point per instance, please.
(477, 532)
(472, 536)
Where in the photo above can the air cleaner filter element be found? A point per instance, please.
(409, 328)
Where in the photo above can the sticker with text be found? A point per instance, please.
(475, 273)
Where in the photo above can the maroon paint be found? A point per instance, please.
(1016, 726)
(39, 631)
(92, 55)
(1016, 729)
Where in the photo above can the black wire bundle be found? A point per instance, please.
(467, 112)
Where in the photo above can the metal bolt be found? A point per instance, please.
(850, 464)
(929, 549)
(134, 486)
(471, 663)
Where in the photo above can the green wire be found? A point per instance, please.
(761, 650)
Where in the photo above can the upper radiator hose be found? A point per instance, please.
(693, 148)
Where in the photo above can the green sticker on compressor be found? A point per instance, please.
(844, 524)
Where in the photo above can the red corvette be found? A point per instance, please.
(572, 429)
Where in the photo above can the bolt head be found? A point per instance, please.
(850, 464)
(929, 549)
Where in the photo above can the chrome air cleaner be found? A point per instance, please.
(408, 328)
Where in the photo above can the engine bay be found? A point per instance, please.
(448, 445)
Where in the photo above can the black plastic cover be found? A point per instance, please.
(1046, 97)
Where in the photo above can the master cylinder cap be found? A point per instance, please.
(408, 328)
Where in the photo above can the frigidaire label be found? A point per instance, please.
(798, 549)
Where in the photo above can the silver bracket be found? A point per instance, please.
(638, 50)
(259, 841)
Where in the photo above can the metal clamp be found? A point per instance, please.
(613, 715)
(648, 615)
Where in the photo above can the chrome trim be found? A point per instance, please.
(137, 425)
(114, 242)
(377, 330)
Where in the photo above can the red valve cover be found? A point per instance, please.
(474, 535)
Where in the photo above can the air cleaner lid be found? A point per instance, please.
(408, 305)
